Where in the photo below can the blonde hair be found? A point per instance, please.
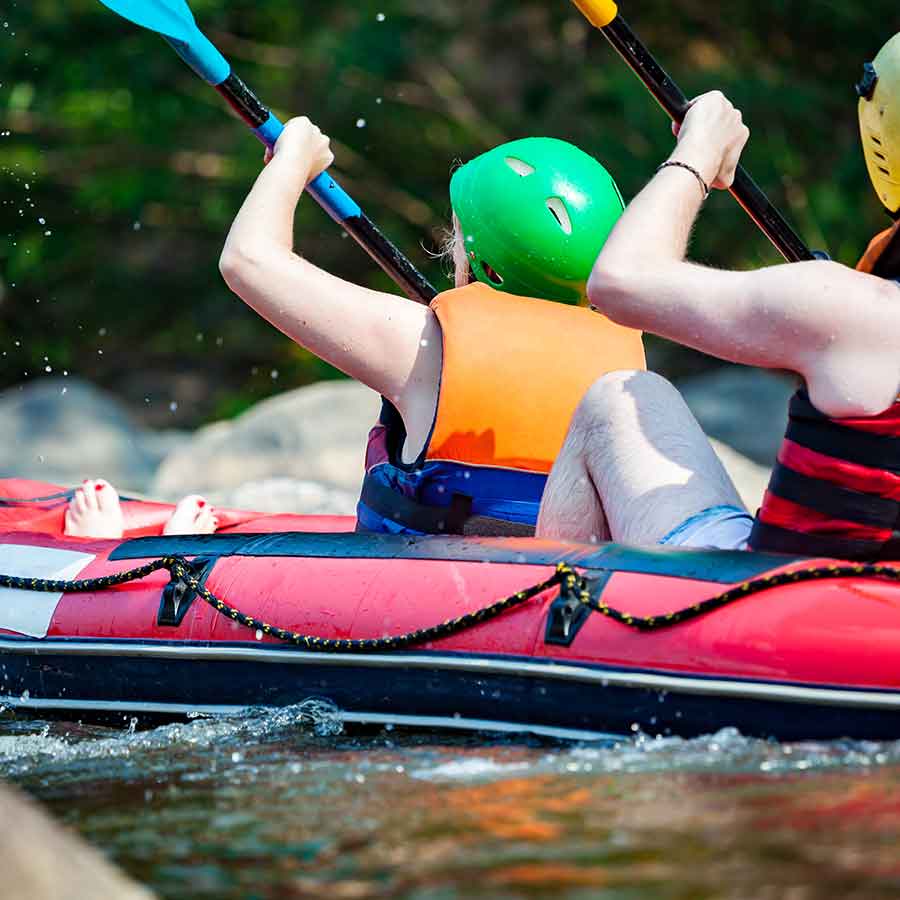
(452, 253)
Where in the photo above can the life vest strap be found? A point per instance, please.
(456, 518)
(417, 516)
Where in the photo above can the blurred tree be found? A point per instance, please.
(121, 170)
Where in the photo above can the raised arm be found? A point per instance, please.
(837, 328)
(383, 340)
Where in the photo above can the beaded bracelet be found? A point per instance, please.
(691, 169)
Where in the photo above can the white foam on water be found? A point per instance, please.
(469, 769)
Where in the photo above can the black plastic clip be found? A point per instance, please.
(567, 613)
(178, 595)
(865, 88)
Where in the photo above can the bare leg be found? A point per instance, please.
(95, 511)
(634, 466)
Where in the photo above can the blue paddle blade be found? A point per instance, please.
(174, 20)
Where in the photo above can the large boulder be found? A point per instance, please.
(287, 495)
(313, 434)
(742, 407)
(66, 430)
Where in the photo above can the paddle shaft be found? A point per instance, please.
(330, 196)
(605, 17)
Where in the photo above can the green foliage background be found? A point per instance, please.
(120, 170)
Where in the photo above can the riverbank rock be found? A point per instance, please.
(288, 495)
(313, 434)
(742, 407)
(41, 860)
(65, 430)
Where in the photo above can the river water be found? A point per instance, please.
(288, 804)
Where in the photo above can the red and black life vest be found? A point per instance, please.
(835, 487)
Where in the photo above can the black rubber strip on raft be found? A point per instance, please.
(717, 566)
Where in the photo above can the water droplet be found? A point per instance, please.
(360, 123)
(48, 369)
(236, 757)
(259, 634)
(173, 406)
(380, 17)
(274, 374)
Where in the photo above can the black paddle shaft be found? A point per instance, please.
(673, 101)
(360, 227)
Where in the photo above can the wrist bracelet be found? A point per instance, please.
(691, 169)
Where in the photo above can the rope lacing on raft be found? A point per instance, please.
(574, 588)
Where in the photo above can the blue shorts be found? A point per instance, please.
(717, 528)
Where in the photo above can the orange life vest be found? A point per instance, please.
(835, 487)
(514, 370)
(882, 256)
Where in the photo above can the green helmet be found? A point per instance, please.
(534, 214)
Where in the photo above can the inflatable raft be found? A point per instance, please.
(588, 640)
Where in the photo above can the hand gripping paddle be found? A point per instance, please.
(174, 20)
(604, 15)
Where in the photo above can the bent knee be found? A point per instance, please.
(616, 390)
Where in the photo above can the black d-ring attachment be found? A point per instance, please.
(178, 595)
(568, 613)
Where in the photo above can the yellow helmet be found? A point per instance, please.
(879, 122)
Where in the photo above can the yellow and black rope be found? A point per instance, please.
(179, 569)
(575, 588)
(580, 588)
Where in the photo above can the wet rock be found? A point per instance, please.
(288, 495)
(65, 430)
(742, 407)
(41, 860)
(313, 434)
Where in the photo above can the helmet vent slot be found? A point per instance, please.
(519, 166)
(560, 213)
(875, 140)
(493, 276)
(885, 171)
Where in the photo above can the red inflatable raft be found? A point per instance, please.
(781, 658)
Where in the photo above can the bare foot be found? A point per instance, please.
(193, 515)
(95, 512)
